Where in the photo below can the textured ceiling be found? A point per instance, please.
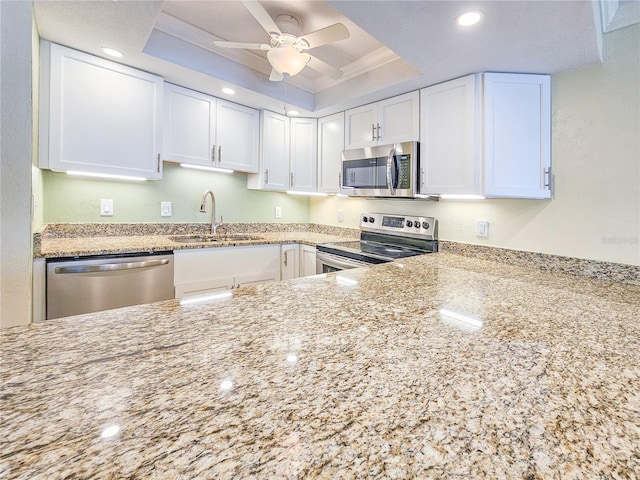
(395, 46)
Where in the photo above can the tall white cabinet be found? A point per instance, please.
(330, 147)
(488, 135)
(288, 154)
(393, 120)
(98, 116)
(208, 131)
(303, 154)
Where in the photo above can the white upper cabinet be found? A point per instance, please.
(393, 120)
(97, 116)
(238, 136)
(274, 153)
(189, 126)
(488, 135)
(203, 130)
(288, 154)
(449, 155)
(517, 135)
(330, 147)
(304, 154)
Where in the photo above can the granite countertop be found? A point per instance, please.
(78, 240)
(438, 366)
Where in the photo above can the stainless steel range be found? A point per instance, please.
(383, 238)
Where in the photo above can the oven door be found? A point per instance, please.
(328, 262)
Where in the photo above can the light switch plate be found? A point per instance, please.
(106, 207)
(340, 215)
(278, 212)
(165, 209)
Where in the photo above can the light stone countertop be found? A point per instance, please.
(56, 247)
(438, 366)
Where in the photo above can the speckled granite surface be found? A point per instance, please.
(551, 263)
(68, 240)
(438, 366)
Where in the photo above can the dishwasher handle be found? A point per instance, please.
(110, 267)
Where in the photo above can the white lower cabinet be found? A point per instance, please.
(207, 270)
(307, 260)
(298, 261)
(290, 267)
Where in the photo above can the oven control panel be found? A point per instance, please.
(424, 227)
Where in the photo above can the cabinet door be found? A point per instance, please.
(189, 122)
(360, 127)
(209, 269)
(517, 135)
(449, 157)
(307, 260)
(304, 154)
(238, 137)
(99, 116)
(275, 151)
(290, 266)
(330, 147)
(399, 119)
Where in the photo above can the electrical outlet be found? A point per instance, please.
(165, 209)
(278, 212)
(341, 215)
(106, 207)
(482, 228)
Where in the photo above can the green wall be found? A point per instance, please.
(70, 199)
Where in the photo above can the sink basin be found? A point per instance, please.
(211, 238)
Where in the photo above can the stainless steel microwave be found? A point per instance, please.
(381, 171)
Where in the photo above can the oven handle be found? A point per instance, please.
(392, 161)
(338, 262)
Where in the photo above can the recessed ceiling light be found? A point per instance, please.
(293, 113)
(228, 91)
(112, 52)
(467, 19)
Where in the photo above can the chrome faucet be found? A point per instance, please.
(203, 209)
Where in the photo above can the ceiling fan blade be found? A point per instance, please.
(324, 68)
(329, 34)
(262, 16)
(275, 76)
(248, 46)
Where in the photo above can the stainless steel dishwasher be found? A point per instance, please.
(90, 284)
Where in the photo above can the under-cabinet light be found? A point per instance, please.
(210, 169)
(311, 194)
(106, 176)
(452, 196)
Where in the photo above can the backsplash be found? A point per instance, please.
(77, 200)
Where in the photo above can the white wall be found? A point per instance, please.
(595, 213)
(16, 154)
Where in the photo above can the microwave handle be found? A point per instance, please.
(392, 164)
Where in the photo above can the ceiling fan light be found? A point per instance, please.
(286, 60)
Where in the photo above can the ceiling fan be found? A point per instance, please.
(286, 48)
